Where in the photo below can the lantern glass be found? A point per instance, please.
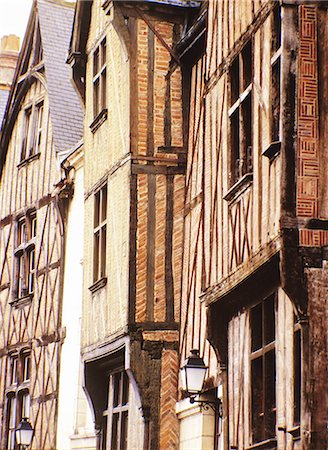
(193, 373)
(24, 433)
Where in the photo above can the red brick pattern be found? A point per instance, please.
(313, 238)
(308, 145)
(169, 425)
(159, 294)
(141, 261)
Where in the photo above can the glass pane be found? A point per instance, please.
(103, 251)
(103, 89)
(27, 366)
(116, 394)
(256, 327)
(270, 394)
(124, 431)
(96, 209)
(257, 399)
(31, 263)
(103, 203)
(276, 32)
(96, 256)
(96, 96)
(275, 101)
(269, 320)
(114, 445)
(96, 62)
(103, 52)
(125, 393)
(25, 406)
(21, 232)
(21, 280)
(104, 434)
(247, 64)
(235, 155)
(297, 377)
(234, 80)
(247, 164)
(33, 226)
(14, 370)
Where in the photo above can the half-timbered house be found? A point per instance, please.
(256, 226)
(131, 81)
(42, 125)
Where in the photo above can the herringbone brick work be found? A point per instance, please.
(308, 134)
(169, 425)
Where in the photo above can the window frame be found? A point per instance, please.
(117, 407)
(18, 400)
(262, 353)
(100, 233)
(241, 75)
(24, 255)
(99, 78)
(32, 130)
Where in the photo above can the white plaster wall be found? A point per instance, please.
(74, 415)
(196, 427)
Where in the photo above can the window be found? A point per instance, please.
(275, 74)
(115, 418)
(99, 79)
(297, 372)
(17, 394)
(32, 131)
(25, 255)
(99, 234)
(240, 113)
(263, 370)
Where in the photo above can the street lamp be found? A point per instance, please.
(192, 376)
(24, 433)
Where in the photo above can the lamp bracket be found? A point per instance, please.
(215, 405)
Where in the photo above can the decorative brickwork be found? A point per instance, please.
(308, 144)
(313, 238)
(169, 381)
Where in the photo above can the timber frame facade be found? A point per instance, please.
(256, 203)
(205, 224)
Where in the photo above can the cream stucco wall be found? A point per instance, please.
(74, 415)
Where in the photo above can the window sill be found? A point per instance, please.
(21, 301)
(99, 120)
(99, 284)
(295, 432)
(273, 150)
(241, 185)
(29, 159)
(267, 444)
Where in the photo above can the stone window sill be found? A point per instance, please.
(29, 159)
(99, 284)
(99, 120)
(241, 185)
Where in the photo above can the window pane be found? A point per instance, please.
(24, 406)
(269, 320)
(257, 399)
(21, 277)
(33, 226)
(96, 97)
(234, 80)
(116, 394)
(270, 394)
(96, 209)
(276, 32)
(247, 64)
(104, 434)
(96, 256)
(26, 366)
(13, 370)
(247, 165)
(103, 52)
(275, 101)
(96, 62)
(235, 156)
(124, 430)
(125, 394)
(103, 89)
(31, 263)
(11, 422)
(256, 326)
(104, 203)
(103, 251)
(297, 377)
(21, 238)
(114, 431)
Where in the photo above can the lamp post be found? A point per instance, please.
(193, 374)
(24, 434)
